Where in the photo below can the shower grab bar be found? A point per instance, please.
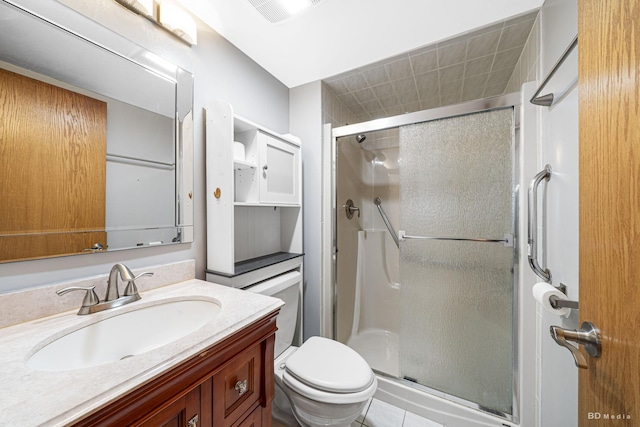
(378, 204)
(532, 246)
(507, 240)
(548, 99)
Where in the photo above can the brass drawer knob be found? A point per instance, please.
(241, 387)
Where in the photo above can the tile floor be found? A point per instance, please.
(381, 414)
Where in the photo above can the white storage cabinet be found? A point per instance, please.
(254, 212)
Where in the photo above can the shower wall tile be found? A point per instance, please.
(484, 44)
(376, 75)
(355, 82)
(384, 91)
(480, 65)
(424, 71)
(451, 73)
(399, 69)
(424, 61)
(336, 109)
(506, 59)
(514, 35)
(526, 69)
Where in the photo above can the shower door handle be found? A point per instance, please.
(588, 336)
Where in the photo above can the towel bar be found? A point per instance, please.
(548, 99)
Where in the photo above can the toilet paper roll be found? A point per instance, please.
(238, 151)
(542, 291)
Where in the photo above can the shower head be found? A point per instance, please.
(360, 138)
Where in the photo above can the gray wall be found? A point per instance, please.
(306, 123)
(220, 71)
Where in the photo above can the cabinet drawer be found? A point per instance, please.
(238, 386)
(254, 419)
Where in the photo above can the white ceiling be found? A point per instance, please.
(340, 35)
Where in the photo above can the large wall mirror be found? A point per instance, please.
(96, 147)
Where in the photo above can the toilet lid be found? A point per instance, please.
(330, 366)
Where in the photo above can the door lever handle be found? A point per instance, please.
(588, 336)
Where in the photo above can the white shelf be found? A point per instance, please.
(244, 223)
(266, 205)
(240, 164)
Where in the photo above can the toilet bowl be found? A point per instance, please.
(322, 382)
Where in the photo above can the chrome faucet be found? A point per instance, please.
(91, 303)
(112, 283)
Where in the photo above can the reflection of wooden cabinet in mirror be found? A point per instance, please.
(149, 128)
(52, 157)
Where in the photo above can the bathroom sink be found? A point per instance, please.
(124, 335)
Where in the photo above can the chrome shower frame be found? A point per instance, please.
(512, 100)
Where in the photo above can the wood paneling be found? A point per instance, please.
(15, 248)
(52, 165)
(609, 109)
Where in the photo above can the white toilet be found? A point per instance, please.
(321, 383)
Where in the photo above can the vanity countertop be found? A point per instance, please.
(33, 398)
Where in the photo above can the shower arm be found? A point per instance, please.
(378, 204)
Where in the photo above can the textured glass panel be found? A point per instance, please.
(456, 327)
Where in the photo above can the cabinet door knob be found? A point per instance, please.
(193, 422)
(241, 387)
(265, 167)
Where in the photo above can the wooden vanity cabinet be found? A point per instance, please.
(230, 384)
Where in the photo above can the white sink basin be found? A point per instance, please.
(124, 335)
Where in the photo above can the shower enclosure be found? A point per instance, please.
(425, 267)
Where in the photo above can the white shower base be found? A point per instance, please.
(434, 407)
(379, 348)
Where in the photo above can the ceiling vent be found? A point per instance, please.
(276, 11)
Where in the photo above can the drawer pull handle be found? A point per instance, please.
(241, 387)
(193, 422)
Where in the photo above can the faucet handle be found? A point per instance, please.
(90, 298)
(131, 288)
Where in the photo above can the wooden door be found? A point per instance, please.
(609, 110)
(52, 169)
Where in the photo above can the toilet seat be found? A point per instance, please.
(328, 371)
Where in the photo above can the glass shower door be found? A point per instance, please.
(456, 332)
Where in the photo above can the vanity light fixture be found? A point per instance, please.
(179, 22)
(143, 7)
(167, 15)
(278, 10)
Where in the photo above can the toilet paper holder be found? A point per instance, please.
(562, 303)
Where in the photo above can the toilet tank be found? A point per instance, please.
(287, 288)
